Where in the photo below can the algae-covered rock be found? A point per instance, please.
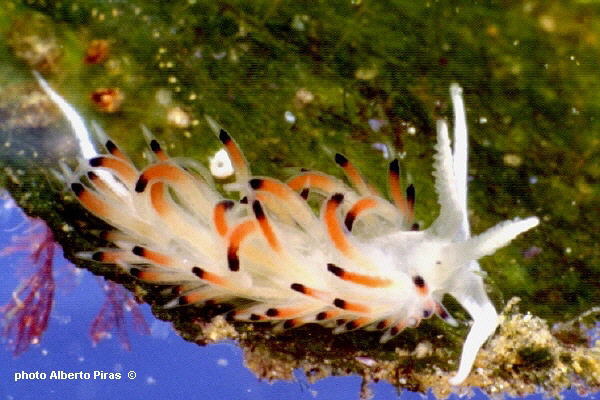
(295, 84)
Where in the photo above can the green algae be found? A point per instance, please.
(529, 73)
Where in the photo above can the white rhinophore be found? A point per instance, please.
(82, 134)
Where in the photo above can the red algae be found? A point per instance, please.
(113, 316)
(26, 315)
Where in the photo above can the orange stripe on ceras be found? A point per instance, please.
(359, 207)
(235, 153)
(157, 198)
(283, 312)
(90, 200)
(219, 219)
(235, 239)
(110, 257)
(154, 256)
(395, 187)
(357, 323)
(396, 329)
(164, 171)
(156, 149)
(312, 180)
(265, 226)
(209, 276)
(365, 280)
(351, 306)
(115, 151)
(150, 276)
(112, 236)
(98, 183)
(383, 324)
(326, 315)
(124, 170)
(334, 228)
(272, 186)
(193, 297)
(308, 291)
(420, 285)
(352, 172)
(292, 323)
(184, 288)
(256, 317)
(410, 202)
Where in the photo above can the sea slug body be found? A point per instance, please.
(357, 264)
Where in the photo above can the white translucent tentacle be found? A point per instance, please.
(75, 120)
(214, 125)
(99, 133)
(82, 134)
(65, 174)
(460, 159)
(471, 294)
(485, 321)
(148, 135)
(449, 219)
(494, 238)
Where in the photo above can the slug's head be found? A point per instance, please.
(431, 267)
(440, 262)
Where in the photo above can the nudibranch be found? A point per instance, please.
(359, 263)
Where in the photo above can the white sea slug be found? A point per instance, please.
(359, 264)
